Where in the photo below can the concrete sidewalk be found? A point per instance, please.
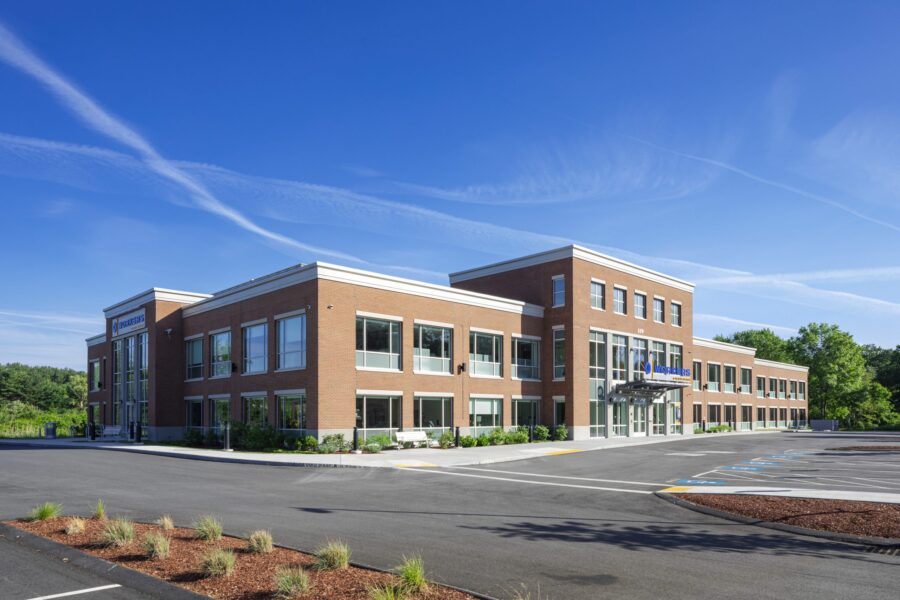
(413, 457)
(787, 492)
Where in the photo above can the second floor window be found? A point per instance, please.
(746, 378)
(619, 357)
(696, 375)
(377, 343)
(597, 355)
(802, 391)
(486, 354)
(94, 375)
(640, 306)
(193, 352)
(559, 353)
(773, 384)
(559, 290)
(292, 342)
(676, 314)
(712, 377)
(760, 388)
(220, 354)
(432, 349)
(782, 388)
(729, 379)
(598, 295)
(659, 310)
(255, 348)
(526, 358)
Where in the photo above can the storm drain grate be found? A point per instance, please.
(889, 550)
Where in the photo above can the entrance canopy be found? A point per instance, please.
(645, 391)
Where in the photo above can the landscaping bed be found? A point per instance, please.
(254, 573)
(869, 519)
(866, 449)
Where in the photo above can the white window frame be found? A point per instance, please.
(187, 357)
(642, 314)
(676, 313)
(215, 365)
(393, 354)
(601, 285)
(536, 367)
(248, 360)
(419, 360)
(280, 351)
(496, 351)
(658, 301)
(617, 289)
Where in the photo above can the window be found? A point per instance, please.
(761, 412)
(676, 313)
(802, 392)
(255, 352)
(698, 413)
(760, 387)
(782, 388)
(432, 347)
(619, 357)
(220, 354)
(193, 354)
(117, 381)
(291, 411)
(659, 310)
(793, 389)
(620, 300)
(94, 375)
(220, 412)
(485, 354)
(596, 358)
(676, 358)
(640, 305)
(696, 375)
(194, 412)
(559, 290)
(715, 414)
(291, 342)
(559, 353)
(658, 353)
(256, 411)
(773, 385)
(433, 413)
(598, 295)
(525, 412)
(143, 340)
(712, 377)
(639, 356)
(377, 343)
(729, 379)
(378, 412)
(526, 359)
(485, 414)
(746, 378)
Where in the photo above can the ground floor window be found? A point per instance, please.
(433, 414)
(598, 418)
(782, 417)
(773, 416)
(485, 414)
(619, 418)
(659, 418)
(730, 415)
(194, 412)
(746, 417)
(525, 412)
(714, 411)
(255, 411)
(219, 412)
(291, 411)
(378, 414)
(559, 411)
(698, 414)
(675, 418)
(640, 419)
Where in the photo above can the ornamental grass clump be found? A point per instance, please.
(218, 563)
(47, 510)
(387, 592)
(290, 582)
(412, 574)
(334, 554)
(75, 526)
(166, 523)
(156, 545)
(260, 542)
(208, 528)
(118, 532)
(99, 510)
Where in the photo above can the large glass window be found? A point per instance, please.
(378, 343)
(802, 392)
(143, 340)
(620, 300)
(696, 374)
(526, 358)
(640, 305)
(773, 387)
(730, 375)
(713, 377)
(619, 419)
(698, 414)
(485, 414)
(220, 354)
(559, 353)
(597, 410)
(659, 310)
(256, 411)
(525, 412)
(793, 389)
(220, 412)
(597, 355)
(291, 411)
(255, 348)
(194, 412)
(658, 353)
(639, 358)
(432, 347)
(485, 354)
(715, 414)
(782, 389)
(94, 375)
(760, 387)
(117, 381)
(746, 379)
(291, 342)
(378, 414)
(193, 353)
(676, 313)
(676, 356)
(432, 413)
(598, 295)
(559, 290)
(619, 357)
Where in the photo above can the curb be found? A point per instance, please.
(129, 578)
(828, 535)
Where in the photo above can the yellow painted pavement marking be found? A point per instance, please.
(675, 490)
(558, 452)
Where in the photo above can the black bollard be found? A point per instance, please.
(138, 431)
(457, 437)
(227, 437)
(356, 438)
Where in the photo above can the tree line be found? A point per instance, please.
(857, 384)
(31, 396)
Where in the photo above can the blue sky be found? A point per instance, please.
(751, 148)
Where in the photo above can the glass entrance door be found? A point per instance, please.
(659, 419)
(620, 419)
(640, 419)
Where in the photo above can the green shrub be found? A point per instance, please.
(260, 542)
(166, 522)
(217, 563)
(100, 510)
(372, 448)
(290, 582)
(483, 440)
(75, 526)
(541, 433)
(211, 440)
(497, 436)
(447, 440)
(309, 443)
(561, 433)
(381, 439)
(412, 574)
(387, 592)
(208, 528)
(47, 510)
(334, 554)
(337, 441)
(255, 438)
(156, 545)
(193, 437)
(467, 441)
(520, 436)
(118, 532)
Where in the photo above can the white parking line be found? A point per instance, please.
(78, 592)
(562, 476)
(550, 483)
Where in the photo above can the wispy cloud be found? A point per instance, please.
(732, 324)
(43, 338)
(867, 274)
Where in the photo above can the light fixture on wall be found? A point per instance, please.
(168, 332)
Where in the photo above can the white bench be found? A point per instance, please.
(111, 431)
(416, 437)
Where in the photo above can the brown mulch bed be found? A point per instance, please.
(870, 519)
(254, 574)
(868, 448)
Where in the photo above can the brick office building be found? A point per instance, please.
(569, 336)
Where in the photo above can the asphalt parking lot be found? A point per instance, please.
(581, 525)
